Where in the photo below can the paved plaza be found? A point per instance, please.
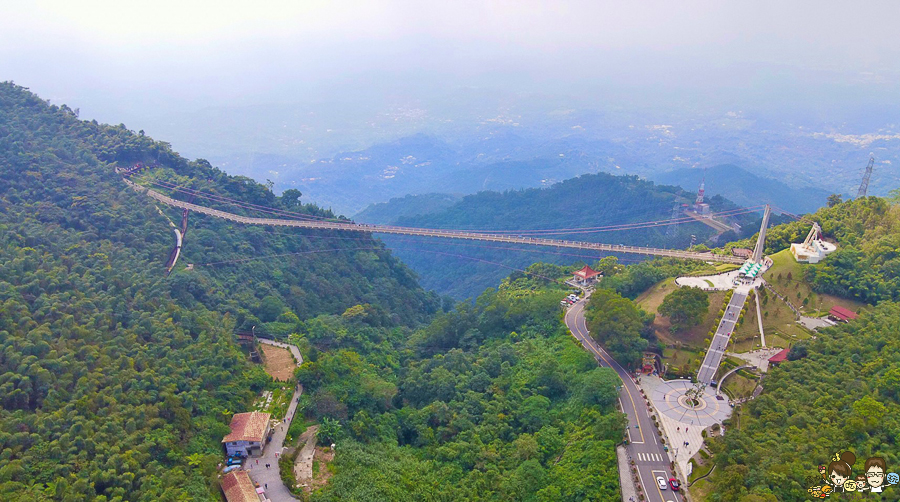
(682, 422)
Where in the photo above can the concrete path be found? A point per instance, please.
(762, 335)
(626, 480)
(758, 358)
(293, 348)
(303, 467)
(815, 323)
(717, 282)
(270, 478)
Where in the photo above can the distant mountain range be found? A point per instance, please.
(746, 188)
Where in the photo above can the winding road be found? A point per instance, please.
(644, 446)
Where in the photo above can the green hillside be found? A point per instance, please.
(493, 401)
(838, 390)
(117, 382)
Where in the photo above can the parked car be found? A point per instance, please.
(674, 484)
(661, 481)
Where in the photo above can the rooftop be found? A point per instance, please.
(842, 313)
(238, 487)
(779, 357)
(248, 427)
(587, 272)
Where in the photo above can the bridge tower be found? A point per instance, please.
(864, 186)
(757, 255)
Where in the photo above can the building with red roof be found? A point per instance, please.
(248, 434)
(238, 487)
(839, 313)
(779, 357)
(587, 275)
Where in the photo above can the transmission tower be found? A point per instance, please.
(864, 186)
(673, 221)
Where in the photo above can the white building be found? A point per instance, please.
(249, 432)
(813, 249)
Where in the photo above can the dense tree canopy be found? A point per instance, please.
(617, 323)
(685, 307)
(492, 401)
(117, 382)
(841, 396)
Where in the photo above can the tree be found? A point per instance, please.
(290, 198)
(685, 307)
(834, 199)
(329, 431)
(616, 322)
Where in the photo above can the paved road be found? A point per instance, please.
(644, 446)
(719, 343)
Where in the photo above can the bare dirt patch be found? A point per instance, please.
(321, 471)
(279, 362)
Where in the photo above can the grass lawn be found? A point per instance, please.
(786, 277)
(738, 386)
(726, 267)
(686, 347)
(651, 299)
(678, 358)
(779, 325)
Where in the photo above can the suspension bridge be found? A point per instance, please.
(516, 238)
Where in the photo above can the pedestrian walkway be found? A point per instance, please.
(629, 494)
(650, 457)
(720, 340)
(758, 358)
(270, 477)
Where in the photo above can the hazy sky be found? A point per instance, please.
(126, 59)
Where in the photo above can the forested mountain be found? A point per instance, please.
(492, 401)
(594, 200)
(117, 382)
(748, 188)
(401, 207)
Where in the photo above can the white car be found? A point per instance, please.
(661, 481)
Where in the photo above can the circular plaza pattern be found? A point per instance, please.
(669, 398)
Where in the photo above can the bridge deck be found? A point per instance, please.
(427, 232)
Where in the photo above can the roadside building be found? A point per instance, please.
(238, 487)
(742, 253)
(586, 276)
(248, 434)
(841, 314)
(779, 358)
